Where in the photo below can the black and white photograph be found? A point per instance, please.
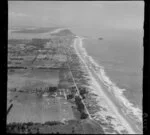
(75, 67)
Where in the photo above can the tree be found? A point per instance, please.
(82, 91)
(70, 96)
(79, 104)
(84, 115)
(73, 130)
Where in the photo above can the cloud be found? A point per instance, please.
(14, 14)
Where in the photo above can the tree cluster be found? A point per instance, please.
(29, 127)
(82, 92)
(80, 107)
(38, 42)
(70, 96)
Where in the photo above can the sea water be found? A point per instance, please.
(120, 57)
(121, 54)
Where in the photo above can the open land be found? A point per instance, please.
(47, 87)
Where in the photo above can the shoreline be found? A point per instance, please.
(114, 90)
(109, 95)
(110, 100)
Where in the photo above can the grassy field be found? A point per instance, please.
(33, 108)
(32, 79)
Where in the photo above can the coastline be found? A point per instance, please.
(123, 72)
(109, 96)
(100, 86)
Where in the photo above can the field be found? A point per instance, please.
(32, 79)
(41, 92)
(35, 107)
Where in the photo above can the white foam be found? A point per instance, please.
(118, 93)
(103, 114)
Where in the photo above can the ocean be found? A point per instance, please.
(121, 54)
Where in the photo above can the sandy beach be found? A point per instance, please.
(122, 122)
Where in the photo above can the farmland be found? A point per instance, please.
(46, 87)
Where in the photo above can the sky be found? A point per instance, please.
(85, 14)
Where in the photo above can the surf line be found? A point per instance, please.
(77, 44)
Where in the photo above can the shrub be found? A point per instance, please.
(52, 123)
(70, 96)
(82, 91)
(79, 104)
(84, 115)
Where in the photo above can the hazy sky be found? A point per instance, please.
(108, 14)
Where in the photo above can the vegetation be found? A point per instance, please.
(17, 41)
(38, 42)
(70, 96)
(51, 123)
(29, 127)
(80, 107)
(84, 115)
(52, 89)
(16, 67)
(79, 104)
(83, 92)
